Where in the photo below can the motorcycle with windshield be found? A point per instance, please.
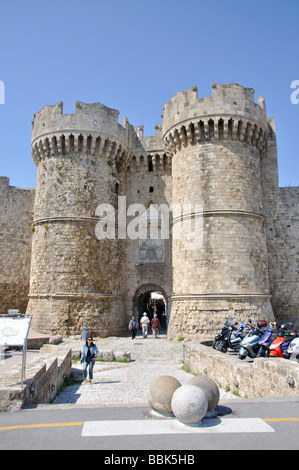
(249, 347)
(267, 339)
(230, 336)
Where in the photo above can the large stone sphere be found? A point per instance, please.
(161, 391)
(189, 404)
(209, 387)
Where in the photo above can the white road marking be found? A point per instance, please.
(172, 426)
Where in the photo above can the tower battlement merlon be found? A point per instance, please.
(231, 113)
(93, 128)
(89, 117)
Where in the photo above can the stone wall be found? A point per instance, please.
(44, 376)
(284, 255)
(264, 377)
(16, 217)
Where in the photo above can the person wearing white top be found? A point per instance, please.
(144, 323)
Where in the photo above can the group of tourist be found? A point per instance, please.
(144, 323)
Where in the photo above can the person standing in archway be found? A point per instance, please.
(144, 322)
(155, 324)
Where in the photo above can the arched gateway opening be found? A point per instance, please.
(151, 298)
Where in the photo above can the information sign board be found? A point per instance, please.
(14, 331)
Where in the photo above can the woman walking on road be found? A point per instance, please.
(88, 357)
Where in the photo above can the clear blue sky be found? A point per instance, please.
(134, 55)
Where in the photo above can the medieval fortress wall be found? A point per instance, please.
(214, 157)
(16, 215)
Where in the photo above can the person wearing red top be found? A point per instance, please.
(155, 324)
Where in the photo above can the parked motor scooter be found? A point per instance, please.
(230, 336)
(280, 345)
(265, 341)
(293, 350)
(250, 344)
(240, 333)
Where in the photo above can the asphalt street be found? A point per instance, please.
(240, 425)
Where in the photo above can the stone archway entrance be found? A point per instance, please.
(151, 298)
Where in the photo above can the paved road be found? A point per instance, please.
(247, 425)
(112, 414)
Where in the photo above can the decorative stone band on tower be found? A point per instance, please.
(77, 280)
(217, 144)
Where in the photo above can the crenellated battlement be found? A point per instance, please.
(150, 163)
(148, 152)
(230, 114)
(94, 129)
(94, 118)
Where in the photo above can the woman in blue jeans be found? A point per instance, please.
(88, 357)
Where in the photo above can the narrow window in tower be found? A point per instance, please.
(151, 189)
(220, 128)
(211, 128)
(230, 129)
(80, 142)
(71, 142)
(63, 144)
(89, 142)
(150, 164)
(240, 125)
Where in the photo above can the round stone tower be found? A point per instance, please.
(77, 278)
(217, 144)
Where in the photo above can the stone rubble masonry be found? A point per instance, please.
(264, 377)
(219, 152)
(16, 215)
(44, 376)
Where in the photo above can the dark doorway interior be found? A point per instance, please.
(152, 302)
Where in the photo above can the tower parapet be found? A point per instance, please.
(93, 129)
(230, 114)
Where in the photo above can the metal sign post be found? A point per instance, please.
(14, 332)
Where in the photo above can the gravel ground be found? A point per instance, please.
(128, 383)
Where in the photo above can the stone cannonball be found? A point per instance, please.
(161, 391)
(189, 404)
(209, 387)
